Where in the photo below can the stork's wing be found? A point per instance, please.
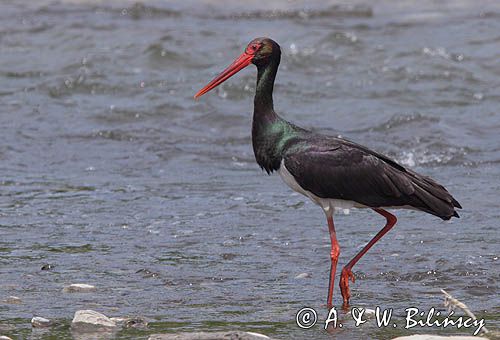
(340, 169)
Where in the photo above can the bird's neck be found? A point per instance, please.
(266, 74)
(269, 132)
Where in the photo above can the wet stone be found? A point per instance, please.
(303, 276)
(91, 321)
(79, 288)
(39, 322)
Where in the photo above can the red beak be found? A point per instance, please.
(240, 63)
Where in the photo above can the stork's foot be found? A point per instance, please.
(345, 276)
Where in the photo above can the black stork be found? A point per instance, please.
(333, 172)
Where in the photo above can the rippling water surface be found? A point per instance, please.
(114, 175)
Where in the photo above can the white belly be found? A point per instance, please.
(329, 205)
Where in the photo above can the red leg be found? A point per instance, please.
(347, 272)
(334, 255)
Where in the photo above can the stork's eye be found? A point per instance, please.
(252, 49)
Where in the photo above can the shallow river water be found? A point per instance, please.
(113, 174)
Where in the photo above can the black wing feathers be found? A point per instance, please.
(340, 169)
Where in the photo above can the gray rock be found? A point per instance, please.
(91, 321)
(39, 322)
(79, 288)
(235, 335)
(438, 337)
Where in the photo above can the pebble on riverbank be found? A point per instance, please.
(39, 322)
(89, 320)
(79, 288)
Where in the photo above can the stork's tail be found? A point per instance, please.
(435, 198)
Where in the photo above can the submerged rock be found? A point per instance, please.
(79, 288)
(39, 322)
(89, 320)
(303, 276)
(235, 335)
